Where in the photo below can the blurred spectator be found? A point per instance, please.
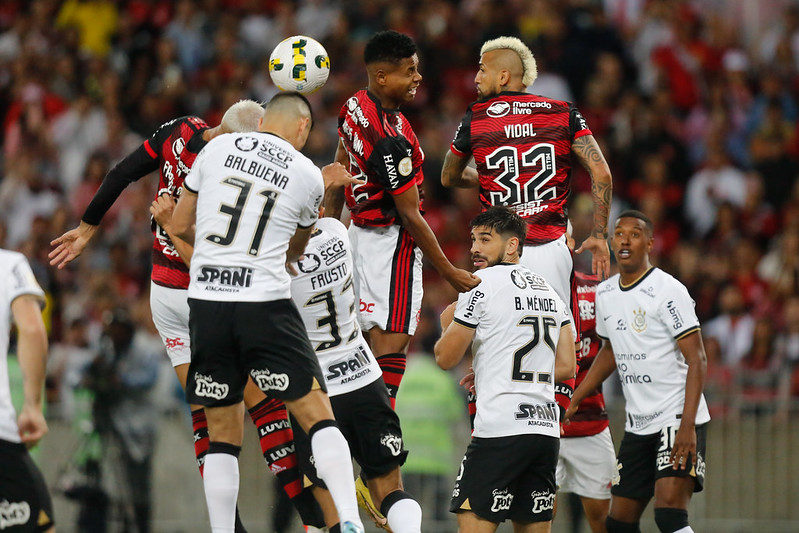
(95, 20)
(717, 182)
(759, 385)
(733, 327)
(780, 266)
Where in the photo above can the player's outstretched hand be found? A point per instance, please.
(161, 209)
(335, 175)
(463, 281)
(600, 255)
(32, 425)
(70, 245)
(683, 452)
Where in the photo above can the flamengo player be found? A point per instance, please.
(587, 459)
(520, 333)
(388, 232)
(522, 146)
(171, 151)
(652, 337)
(324, 292)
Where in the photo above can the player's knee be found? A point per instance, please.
(671, 520)
(614, 526)
(398, 499)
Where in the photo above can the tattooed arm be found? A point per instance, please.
(590, 156)
(456, 172)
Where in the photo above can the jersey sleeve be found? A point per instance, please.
(470, 307)
(577, 124)
(599, 324)
(310, 211)
(677, 311)
(462, 143)
(134, 166)
(193, 179)
(391, 162)
(22, 280)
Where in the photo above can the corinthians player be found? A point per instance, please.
(651, 334)
(324, 292)
(522, 341)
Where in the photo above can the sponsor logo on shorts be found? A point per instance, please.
(699, 469)
(502, 500)
(542, 501)
(14, 513)
(392, 442)
(367, 307)
(616, 479)
(266, 380)
(207, 387)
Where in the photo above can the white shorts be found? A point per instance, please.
(554, 262)
(170, 310)
(388, 278)
(586, 465)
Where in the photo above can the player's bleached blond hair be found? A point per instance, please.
(242, 117)
(513, 43)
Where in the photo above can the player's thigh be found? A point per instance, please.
(226, 423)
(384, 342)
(627, 510)
(170, 312)
(693, 473)
(469, 522)
(27, 506)
(388, 273)
(587, 465)
(673, 492)
(636, 466)
(596, 510)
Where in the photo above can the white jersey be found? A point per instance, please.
(254, 190)
(517, 317)
(16, 279)
(324, 293)
(643, 323)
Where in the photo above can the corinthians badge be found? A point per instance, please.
(639, 321)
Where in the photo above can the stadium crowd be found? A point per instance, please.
(698, 121)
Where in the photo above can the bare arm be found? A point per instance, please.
(71, 244)
(162, 209)
(454, 342)
(456, 172)
(32, 356)
(407, 204)
(565, 357)
(184, 216)
(298, 243)
(684, 448)
(587, 151)
(604, 364)
(334, 196)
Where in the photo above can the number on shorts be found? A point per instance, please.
(538, 323)
(234, 212)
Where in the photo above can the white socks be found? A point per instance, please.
(405, 516)
(221, 484)
(333, 465)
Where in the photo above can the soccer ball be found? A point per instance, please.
(299, 64)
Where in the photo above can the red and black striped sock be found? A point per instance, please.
(393, 367)
(200, 426)
(471, 403)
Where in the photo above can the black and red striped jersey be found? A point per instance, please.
(384, 151)
(521, 145)
(591, 417)
(171, 150)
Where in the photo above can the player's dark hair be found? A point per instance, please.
(634, 213)
(282, 95)
(504, 221)
(389, 46)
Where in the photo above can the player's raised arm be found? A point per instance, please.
(587, 151)
(456, 172)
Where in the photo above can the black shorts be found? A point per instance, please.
(371, 428)
(643, 459)
(265, 340)
(25, 504)
(508, 478)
